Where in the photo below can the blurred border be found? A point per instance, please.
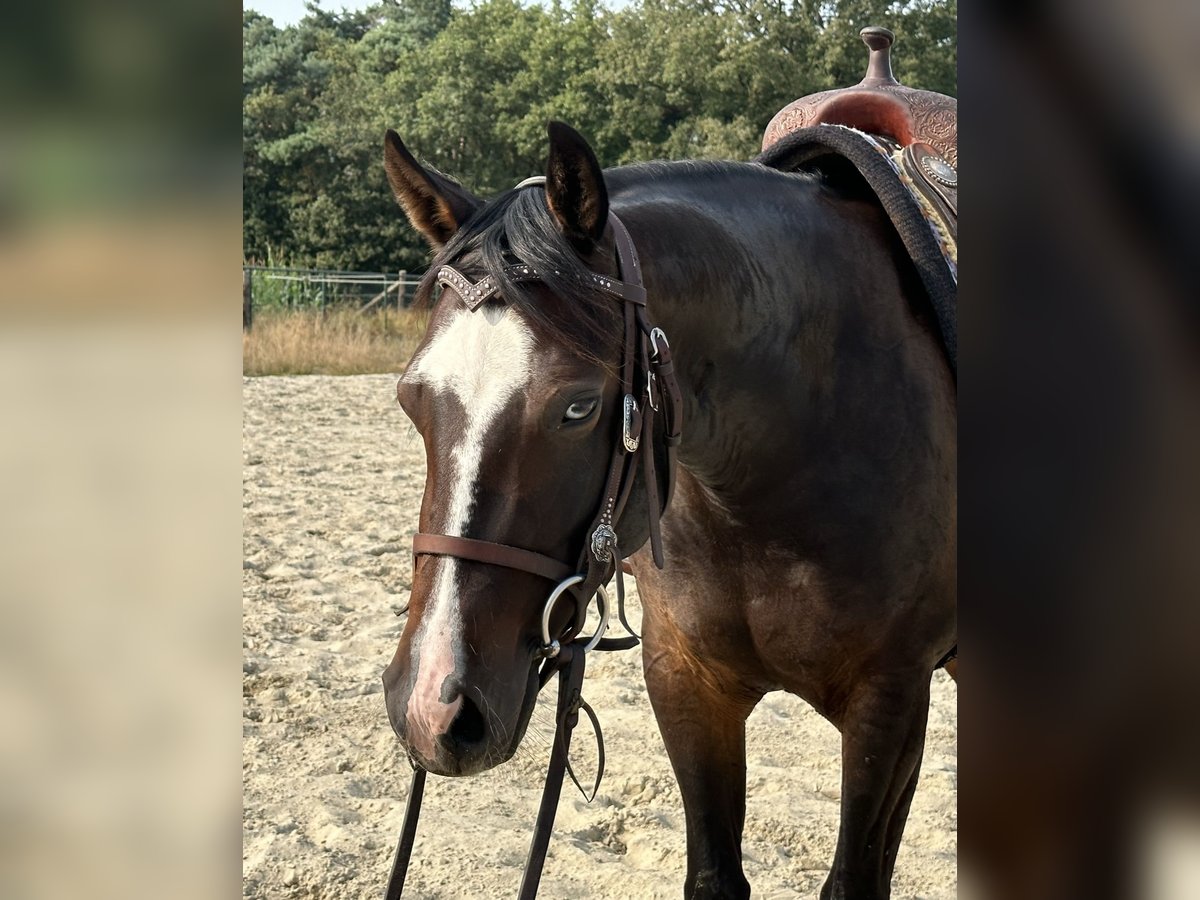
(1080, 439)
(120, 220)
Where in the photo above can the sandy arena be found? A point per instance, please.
(332, 482)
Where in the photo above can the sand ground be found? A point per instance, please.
(332, 480)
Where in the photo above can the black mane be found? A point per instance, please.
(517, 227)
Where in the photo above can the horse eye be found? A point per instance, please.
(580, 410)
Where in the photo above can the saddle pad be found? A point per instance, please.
(917, 189)
(915, 166)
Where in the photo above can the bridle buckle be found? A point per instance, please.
(656, 335)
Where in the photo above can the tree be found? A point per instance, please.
(470, 91)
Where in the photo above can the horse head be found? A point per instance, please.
(516, 393)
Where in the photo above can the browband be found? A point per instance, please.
(475, 293)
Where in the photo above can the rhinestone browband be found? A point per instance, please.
(475, 293)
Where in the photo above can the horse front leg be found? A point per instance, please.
(701, 715)
(883, 739)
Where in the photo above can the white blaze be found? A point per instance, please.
(484, 359)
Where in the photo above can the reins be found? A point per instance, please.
(569, 664)
(645, 353)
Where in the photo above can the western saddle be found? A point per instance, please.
(923, 126)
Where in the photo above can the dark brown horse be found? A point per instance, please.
(811, 542)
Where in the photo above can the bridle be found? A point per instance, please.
(648, 389)
(645, 353)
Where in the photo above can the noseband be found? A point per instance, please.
(648, 389)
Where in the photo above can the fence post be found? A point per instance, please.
(402, 291)
(247, 300)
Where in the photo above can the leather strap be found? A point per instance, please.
(662, 366)
(408, 836)
(491, 553)
(631, 639)
(475, 293)
(627, 257)
(569, 664)
(599, 556)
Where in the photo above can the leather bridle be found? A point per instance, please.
(648, 389)
(645, 353)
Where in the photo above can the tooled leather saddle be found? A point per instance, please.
(922, 126)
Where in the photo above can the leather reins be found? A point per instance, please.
(647, 354)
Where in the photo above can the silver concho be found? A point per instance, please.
(940, 170)
(604, 539)
(630, 439)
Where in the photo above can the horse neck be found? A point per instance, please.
(754, 275)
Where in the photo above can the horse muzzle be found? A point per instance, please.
(458, 729)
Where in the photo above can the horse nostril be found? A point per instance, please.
(468, 727)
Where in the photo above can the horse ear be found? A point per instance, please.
(436, 206)
(575, 187)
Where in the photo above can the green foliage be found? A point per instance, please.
(470, 91)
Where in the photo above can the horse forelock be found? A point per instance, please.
(517, 227)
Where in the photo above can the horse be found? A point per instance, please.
(810, 540)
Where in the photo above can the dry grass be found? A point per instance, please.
(337, 342)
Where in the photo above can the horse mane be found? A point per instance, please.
(517, 227)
